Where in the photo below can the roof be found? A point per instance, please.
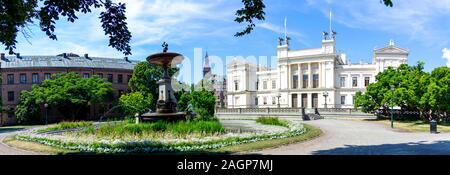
(70, 61)
(391, 49)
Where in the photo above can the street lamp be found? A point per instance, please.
(392, 108)
(325, 94)
(46, 113)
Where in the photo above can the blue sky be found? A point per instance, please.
(362, 25)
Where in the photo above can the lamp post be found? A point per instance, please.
(325, 94)
(46, 113)
(392, 108)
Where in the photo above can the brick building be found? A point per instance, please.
(21, 72)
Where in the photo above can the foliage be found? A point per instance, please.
(203, 103)
(180, 128)
(135, 102)
(184, 101)
(414, 90)
(145, 80)
(71, 94)
(17, 15)
(27, 111)
(254, 10)
(272, 121)
(437, 95)
(67, 125)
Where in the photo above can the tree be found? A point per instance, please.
(28, 111)
(145, 80)
(135, 102)
(71, 94)
(17, 15)
(253, 10)
(203, 103)
(436, 99)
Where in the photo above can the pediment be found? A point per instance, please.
(392, 49)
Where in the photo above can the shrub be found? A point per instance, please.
(272, 121)
(204, 103)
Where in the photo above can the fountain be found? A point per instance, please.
(166, 106)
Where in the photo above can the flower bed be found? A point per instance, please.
(93, 144)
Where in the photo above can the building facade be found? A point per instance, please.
(307, 78)
(217, 83)
(20, 73)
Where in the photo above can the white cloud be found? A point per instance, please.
(446, 55)
(424, 20)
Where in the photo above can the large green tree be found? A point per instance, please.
(253, 10)
(436, 99)
(71, 94)
(145, 80)
(28, 111)
(17, 15)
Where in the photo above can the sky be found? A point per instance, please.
(192, 27)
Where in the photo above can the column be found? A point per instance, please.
(288, 73)
(309, 76)
(361, 79)
(349, 82)
(309, 97)
(299, 73)
(320, 75)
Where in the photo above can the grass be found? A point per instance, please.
(415, 126)
(180, 128)
(311, 133)
(68, 125)
(272, 121)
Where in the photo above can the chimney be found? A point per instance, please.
(344, 58)
(65, 55)
(86, 55)
(2, 56)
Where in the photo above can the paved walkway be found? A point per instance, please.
(344, 137)
(7, 150)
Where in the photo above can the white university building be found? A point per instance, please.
(308, 78)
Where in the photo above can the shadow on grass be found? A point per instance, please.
(410, 148)
(10, 130)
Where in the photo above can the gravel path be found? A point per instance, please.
(344, 137)
(7, 150)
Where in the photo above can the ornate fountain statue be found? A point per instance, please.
(166, 106)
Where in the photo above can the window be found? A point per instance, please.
(315, 80)
(366, 81)
(256, 101)
(342, 100)
(10, 95)
(305, 80)
(47, 76)
(128, 78)
(236, 85)
(295, 82)
(342, 82)
(110, 78)
(35, 78)
(100, 75)
(10, 78)
(274, 84)
(257, 85)
(23, 78)
(86, 75)
(265, 100)
(274, 100)
(355, 81)
(120, 78)
(264, 85)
